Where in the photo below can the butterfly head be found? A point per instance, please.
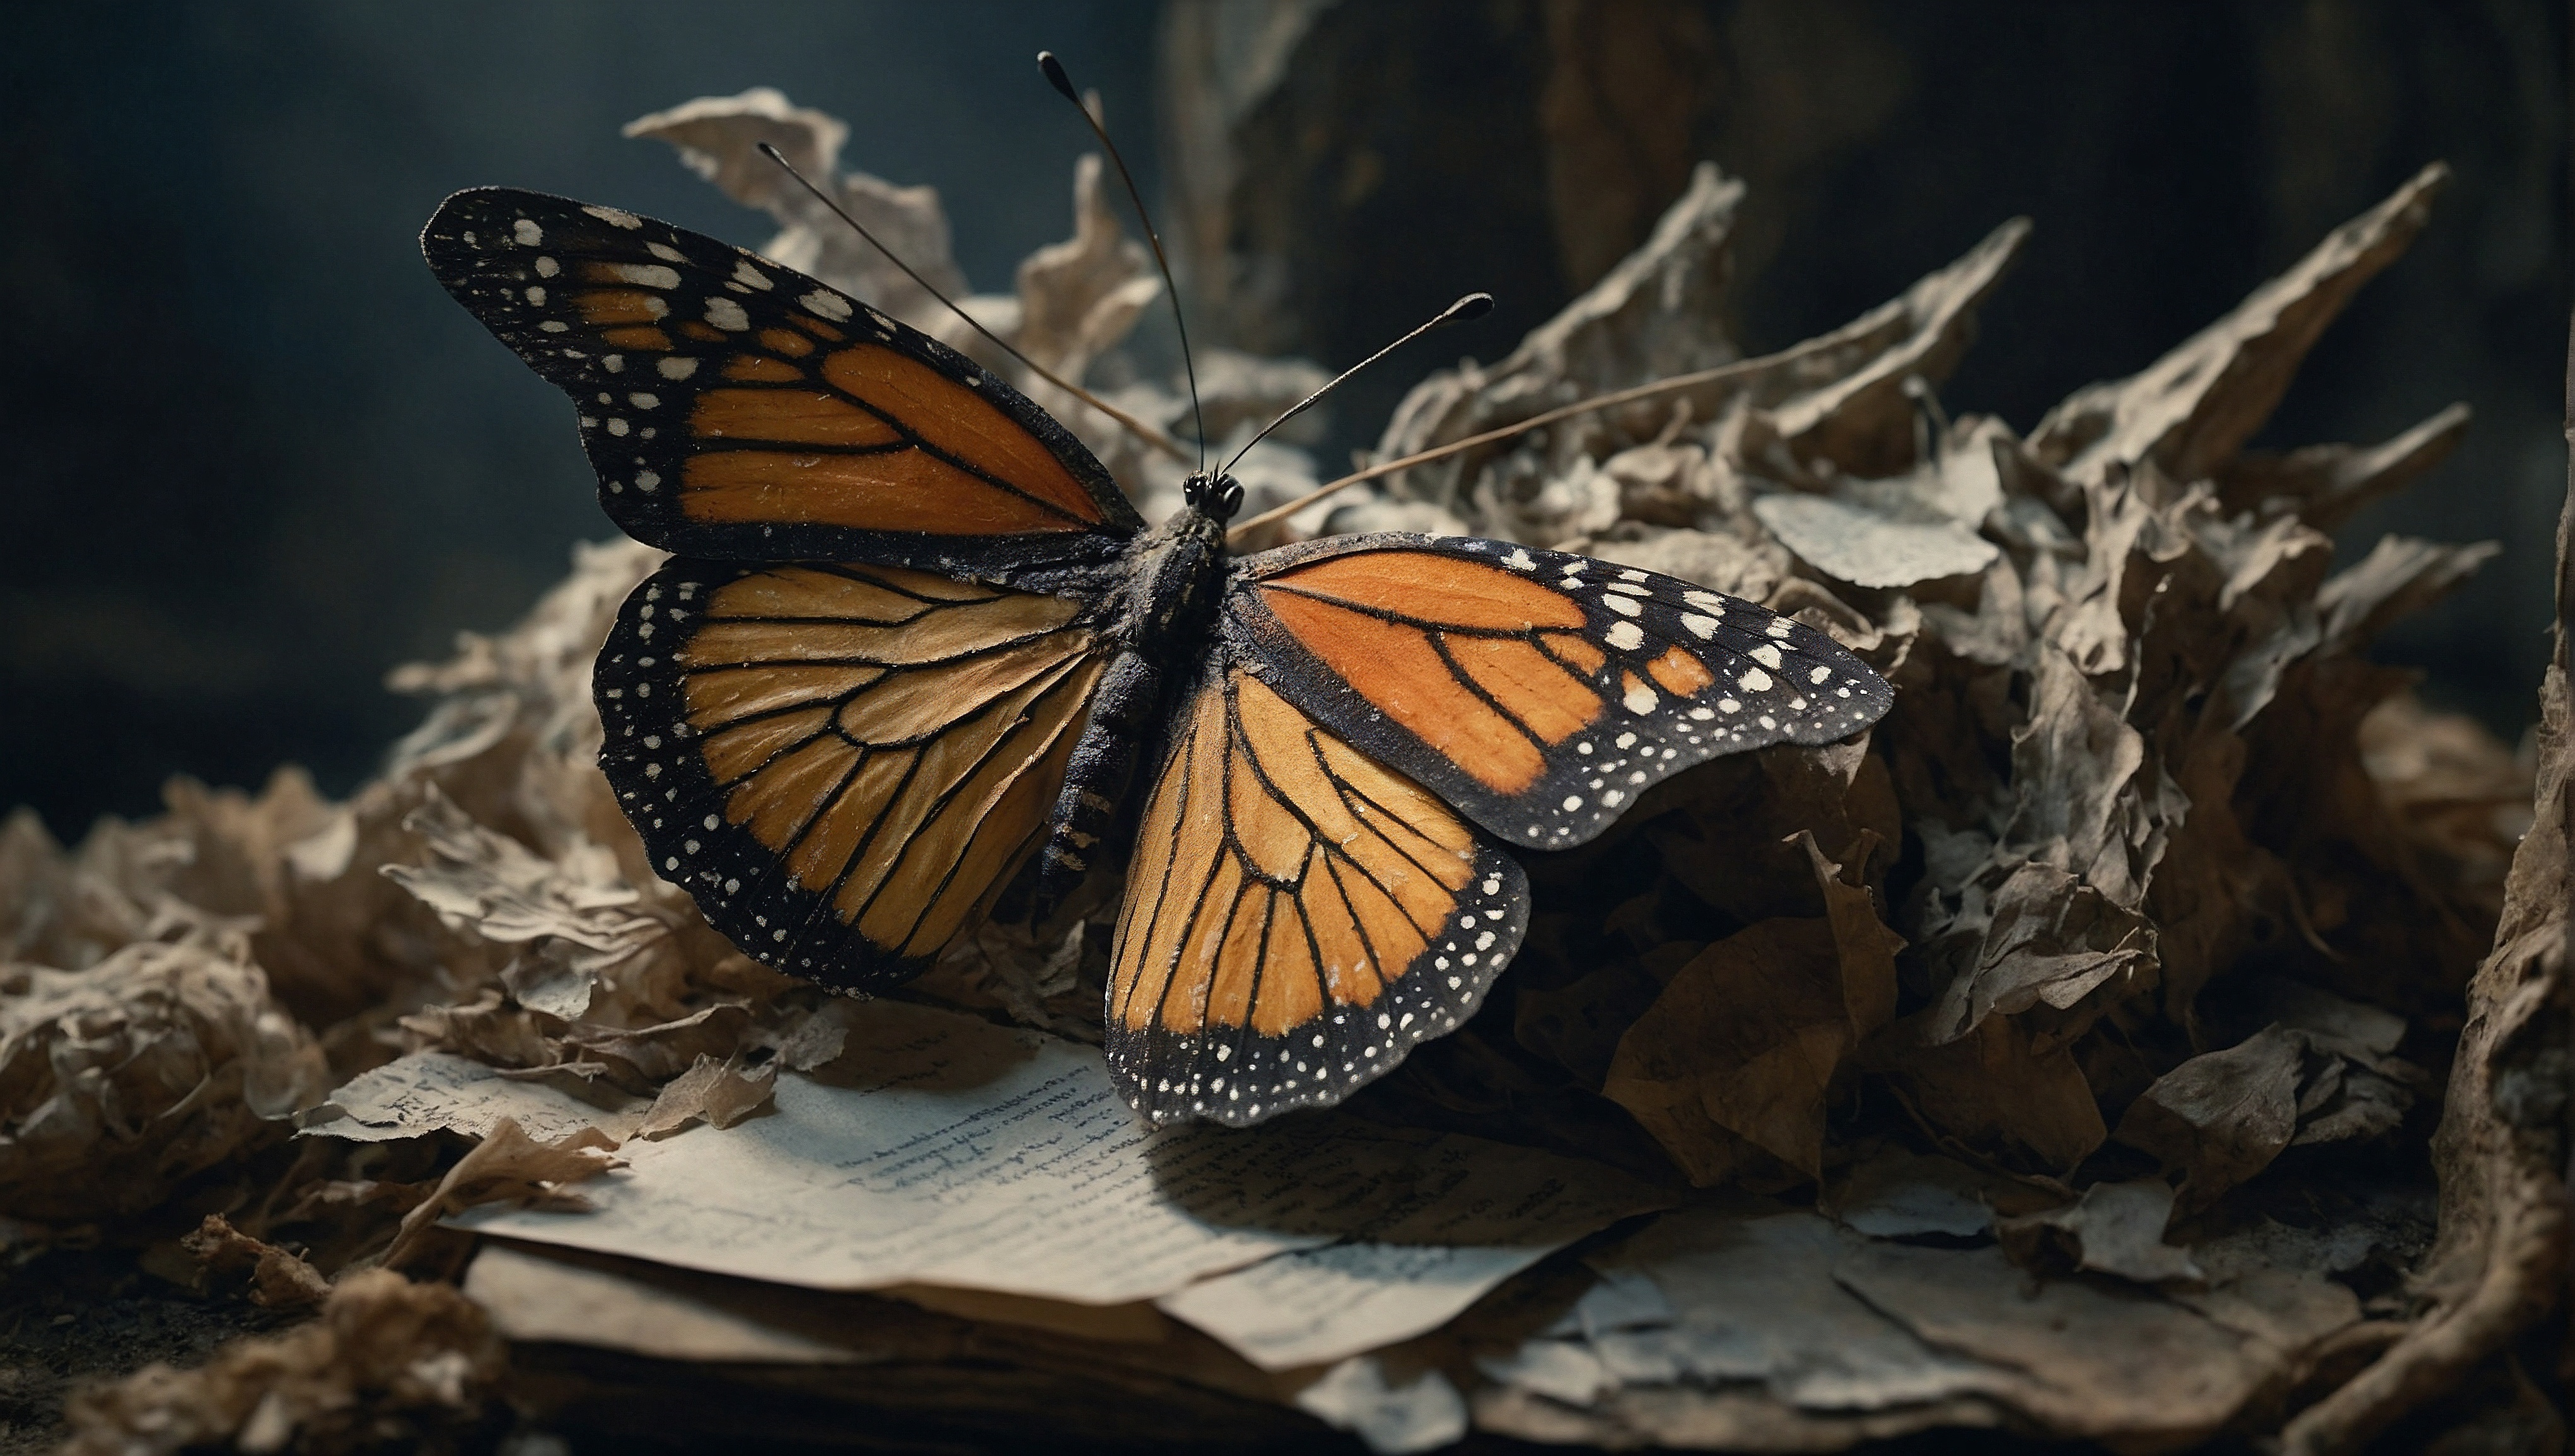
(1215, 497)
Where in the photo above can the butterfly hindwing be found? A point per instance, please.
(839, 763)
(1298, 915)
(739, 409)
(1539, 693)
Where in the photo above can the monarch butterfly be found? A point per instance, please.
(913, 635)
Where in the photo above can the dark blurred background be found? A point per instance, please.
(254, 457)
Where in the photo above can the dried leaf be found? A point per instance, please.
(507, 1166)
(279, 1280)
(387, 1363)
(717, 1094)
(718, 138)
(2192, 409)
(1744, 1043)
(1994, 1091)
(119, 1081)
(2115, 1228)
(2221, 1117)
(1870, 548)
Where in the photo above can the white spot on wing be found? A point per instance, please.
(526, 230)
(724, 314)
(1766, 655)
(676, 366)
(1626, 636)
(1640, 699)
(645, 275)
(1755, 681)
(614, 216)
(829, 304)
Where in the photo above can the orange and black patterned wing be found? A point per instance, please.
(739, 410)
(841, 763)
(1298, 915)
(1537, 692)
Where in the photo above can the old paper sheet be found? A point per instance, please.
(946, 1152)
(430, 1090)
(1475, 1215)
(970, 1156)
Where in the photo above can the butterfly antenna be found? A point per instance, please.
(1142, 431)
(1676, 383)
(1466, 309)
(1063, 83)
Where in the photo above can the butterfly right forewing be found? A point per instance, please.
(1539, 692)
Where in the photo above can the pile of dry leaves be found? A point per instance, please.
(2066, 1057)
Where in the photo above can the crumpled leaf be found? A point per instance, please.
(1871, 548)
(1743, 1044)
(1651, 316)
(2221, 1117)
(388, 1363)
(718, 138)
(279, 1279)
(1996, 1092)
(2115, 1228)
(2192, 409)
(2500, 1152)
(507, 1166)
(119, 1081)
(711, 1091)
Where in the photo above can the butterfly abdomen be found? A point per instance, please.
(1096, 779)
(1168, 618)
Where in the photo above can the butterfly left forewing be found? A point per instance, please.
(839, 763)
(734, 408)
(1297, 917)
(1539, 692)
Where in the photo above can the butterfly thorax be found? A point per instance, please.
(1177, 577)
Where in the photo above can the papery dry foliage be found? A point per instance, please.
(389, 1365)
(119, 1081)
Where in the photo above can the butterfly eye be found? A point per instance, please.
(1229, 498)
(1193, 491)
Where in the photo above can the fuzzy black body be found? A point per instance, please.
(1178, 575)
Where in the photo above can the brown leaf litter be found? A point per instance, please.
(2058, 1058)
(388, 1364)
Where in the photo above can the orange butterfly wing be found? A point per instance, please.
(839, 763)
(1297, 917)
(1539, 693)
(734, 408)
